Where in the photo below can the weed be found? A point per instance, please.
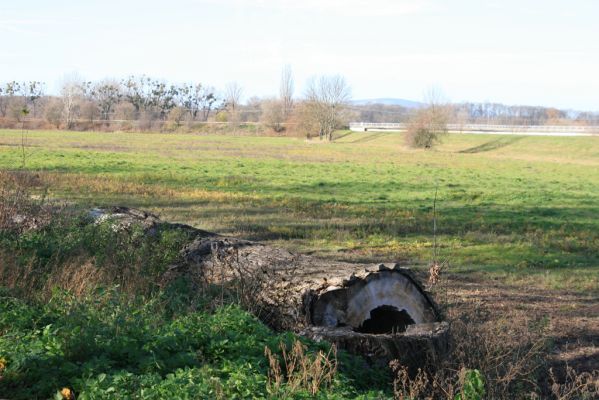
(301, 371)
(580, 386)
(494, 359)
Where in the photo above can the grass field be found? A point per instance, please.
(519, 209)
(516, 220)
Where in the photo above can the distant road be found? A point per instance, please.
(484, 129)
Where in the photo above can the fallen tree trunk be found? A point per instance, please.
(377, 310)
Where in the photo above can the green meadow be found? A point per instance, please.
(523, 210)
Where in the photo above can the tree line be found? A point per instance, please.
(145, 103)
(82, 103)
(482, 113)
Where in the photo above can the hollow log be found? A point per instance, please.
(379, 311)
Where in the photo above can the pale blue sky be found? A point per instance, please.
(516, 52)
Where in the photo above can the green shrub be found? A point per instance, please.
(473, 386)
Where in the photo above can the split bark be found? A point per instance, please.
(377, 310)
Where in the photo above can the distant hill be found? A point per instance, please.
(389, 101)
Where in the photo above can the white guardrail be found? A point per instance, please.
(562, 130)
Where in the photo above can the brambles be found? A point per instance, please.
(583, 386)
(23, 202)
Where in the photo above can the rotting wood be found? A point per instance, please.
(379, 311)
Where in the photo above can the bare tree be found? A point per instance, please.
(286, 91)
(72, 91)
(175, 117)
(209, 101)
(3, 101)
(107, 95)
(53, 111)
(273, 114)
(190, 98)
(15, 101)
(326, 100)
(163, 97)
(197, 99)
(233, 94)
(124, 111)
(32, 91)
(137, 91)
(429, 124)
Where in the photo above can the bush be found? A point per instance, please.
(427, 127)
(53, 112)
(272, 114)
(175, 118)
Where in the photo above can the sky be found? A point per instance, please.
(534, 52)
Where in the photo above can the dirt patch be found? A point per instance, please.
(570, 320)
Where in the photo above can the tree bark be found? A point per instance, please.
(377, 310)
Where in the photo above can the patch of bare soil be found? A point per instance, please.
(570, 320)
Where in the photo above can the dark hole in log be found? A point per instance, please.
(386, 319)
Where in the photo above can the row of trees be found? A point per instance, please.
(135, 99)
(482, 113)
(132, 99)
(144, 103)
(17, 98)
(141, 102)
(501, 114)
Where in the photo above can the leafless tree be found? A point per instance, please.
(251, 110)
(191, 97)
(3, 101)
(197, 99)
(31, 92)
(326, 99)
(4, 96)
(162, 97)
(13, 101)
(53, 111)
(107, 95)
(273, 114)
(286, 91)
(176, 117)
(233, 94)
(72, 91)
(429, 124)
(124, 111)
(16, 96)
(209, 102)
(89, 111)
(137, 91)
